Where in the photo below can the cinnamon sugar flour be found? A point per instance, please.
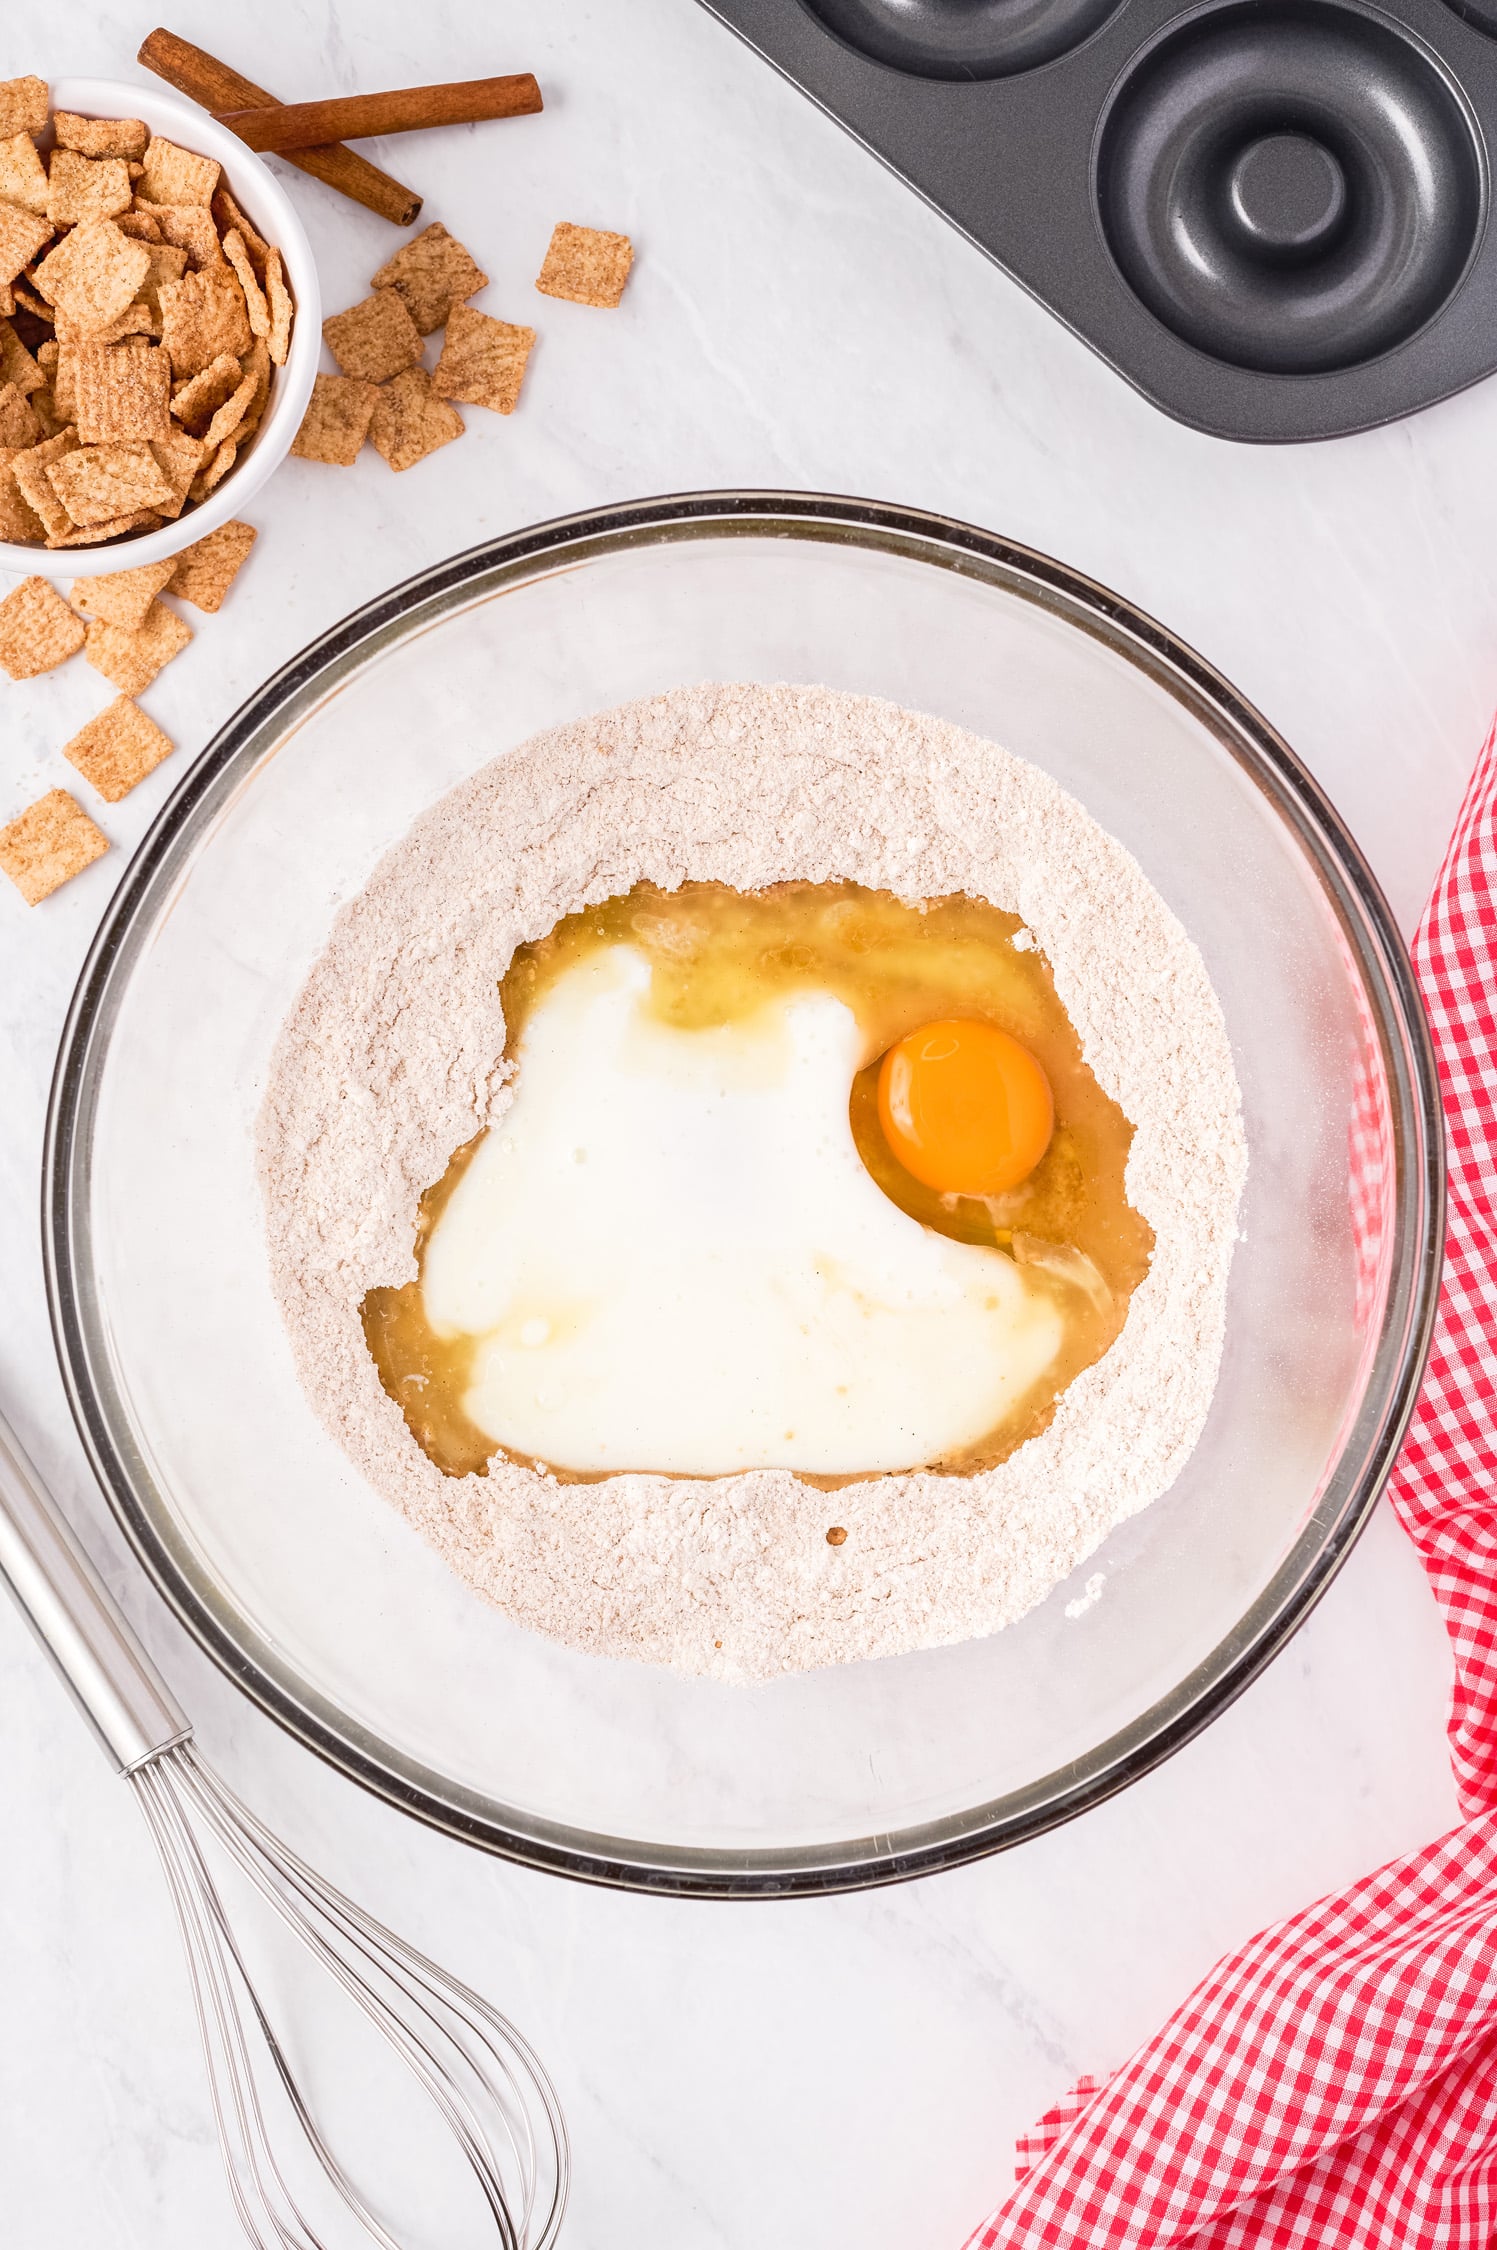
(392, 1058)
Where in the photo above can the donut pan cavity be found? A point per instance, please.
(1270, 216)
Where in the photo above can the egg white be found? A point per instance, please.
(673, 1258)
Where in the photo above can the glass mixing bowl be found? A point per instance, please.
(329, 1610)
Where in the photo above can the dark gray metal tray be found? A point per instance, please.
(1270, 216)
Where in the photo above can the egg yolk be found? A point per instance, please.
(964, 1107)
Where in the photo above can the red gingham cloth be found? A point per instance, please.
(1333, 2086)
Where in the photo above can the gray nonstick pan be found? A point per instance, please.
(1269, 215)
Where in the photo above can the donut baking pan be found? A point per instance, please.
(1269, 215)
(328, 1608)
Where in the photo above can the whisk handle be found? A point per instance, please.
(78, 1621)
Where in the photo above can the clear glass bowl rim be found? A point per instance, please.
(1367, 1455)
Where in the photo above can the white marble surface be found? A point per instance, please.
(821, 2073)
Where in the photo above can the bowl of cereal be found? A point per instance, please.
(162, 329)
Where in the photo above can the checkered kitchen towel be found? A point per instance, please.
(1333, 2086)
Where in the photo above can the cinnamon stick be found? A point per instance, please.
(358, 117)
(216, 86)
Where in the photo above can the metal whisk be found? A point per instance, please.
(481, 2075)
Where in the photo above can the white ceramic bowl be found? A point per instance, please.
(265, 202)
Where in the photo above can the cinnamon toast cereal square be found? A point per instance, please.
(586, 266)
(121, 392)
(22, 234)
(48, 844)
(483, 360)
(18, 424)
(23, 179)
(124, 596)
(337, 420)
(202, 316)
(116, 750)
(168, 263)
(189, 227)
(179, 458)
(237, 256)
(196, 401)
(19, 521)
(430, 275)
(113, 527)
(30, 471)
(98, 482)
(204, 573)
(278, 297)
(132, 660)
(217, 463)
(16, 363)
(94, 275)
(375, 339)
(23, 105)
(409, 421)
(86, 187)
(101, 136)
(229, 416)
(177, 175)
(37, 630)
(229, 219)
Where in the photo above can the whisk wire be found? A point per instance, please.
(479, 2072)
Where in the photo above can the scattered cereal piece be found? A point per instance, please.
(375, 339)
(30, 471)
(85, 187)
(113, 527)
(203, 574)
(124, 596)
(278, 296)
(195, 402)
(19, 521)
(93, 275)
(430, 275)
(177, 175)
(16, 363)
(189, 226)
(336, 422)
(202, 315)
(483, 360)
(132, 660)
(22, 234)
(179, 459)
(48, 844)
(37, 629)
(409, 422)
(118, 749)
(100, 136)
(100, 481)
(254, 296)
(22, 178)
(586, 266)
(18, 424)
(23, 105)
(121, 392)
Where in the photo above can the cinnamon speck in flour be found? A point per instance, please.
(392, 1058)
